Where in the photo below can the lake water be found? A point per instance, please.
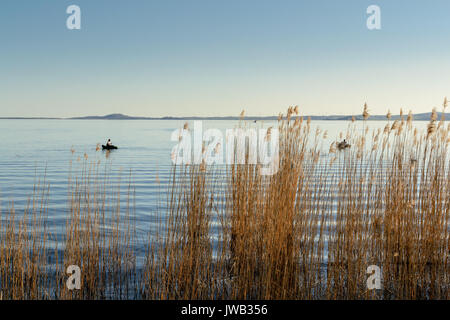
(32, 149)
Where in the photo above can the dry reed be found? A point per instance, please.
(310, 231)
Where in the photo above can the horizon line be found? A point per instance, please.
(121, 116)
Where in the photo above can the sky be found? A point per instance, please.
(217, 57)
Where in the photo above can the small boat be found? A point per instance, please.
(343, 145)
(108, 147)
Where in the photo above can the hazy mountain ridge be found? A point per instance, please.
(119, 116)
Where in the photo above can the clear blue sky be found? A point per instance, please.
(211, 57)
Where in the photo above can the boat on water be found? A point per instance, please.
(108, 147)
(343, 145)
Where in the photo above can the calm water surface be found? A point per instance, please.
(32, 149)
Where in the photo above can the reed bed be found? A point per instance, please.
(309, 231)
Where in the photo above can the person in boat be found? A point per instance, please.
(109, 143)
(343, 145)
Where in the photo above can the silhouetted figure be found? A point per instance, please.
(343, 145)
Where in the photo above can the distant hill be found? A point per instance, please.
(112, 116)
(120, 116)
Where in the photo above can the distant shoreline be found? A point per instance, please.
(417, 117)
